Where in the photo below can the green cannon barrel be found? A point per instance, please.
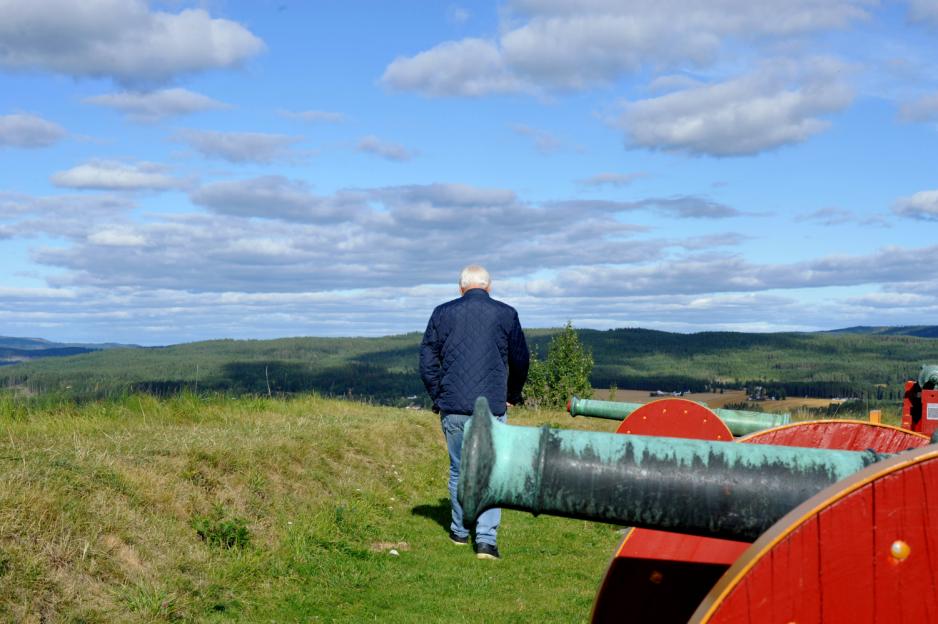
(739, 422)
(717, 489)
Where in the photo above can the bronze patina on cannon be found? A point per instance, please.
(839, 535)
(718, 489)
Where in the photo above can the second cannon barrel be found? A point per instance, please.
(717, 489)
(739, 422)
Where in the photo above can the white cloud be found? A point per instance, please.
(612, 179)
(682, 206)
(385, 149)
(121, 39)
(117, 237)
(23, 130)
(240, 147)
(837, 216)
(779, 104)
(922, 206)
(570, 44)
(924, 108)
(712, 273)
(315, 116)
(112, 175)
(470, 67)
(276, 197)
(68, 216)
(153, 106)
(352, 263)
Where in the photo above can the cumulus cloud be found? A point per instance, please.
(24, 130)
(270, 254)
(116, 237)
(68, 216)
(276, 197)
(264, 235)
(120, 39)
(470, 67)
(686, 206)
(153, 106)
(568, 44)
(922, 206)
(385, 149)
(838, 216)
(779, 104)
(110, 175)
(716, 274)
(240, 147)
(612, 179)
(924, 108)
(315, 116)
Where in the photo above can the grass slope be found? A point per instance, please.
(100, 506)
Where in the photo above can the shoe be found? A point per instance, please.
(487, 551)
(459, 541)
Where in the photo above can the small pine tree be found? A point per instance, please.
(564, 373)
(535, 388)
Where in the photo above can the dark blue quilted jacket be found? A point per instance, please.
(473, 347)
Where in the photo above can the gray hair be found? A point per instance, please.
(474, 275)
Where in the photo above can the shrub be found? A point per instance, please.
(218, 529)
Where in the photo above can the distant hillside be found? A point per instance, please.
(921, 331)
(15, 350)
(824, 364)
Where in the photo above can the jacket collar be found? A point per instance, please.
(476, 292)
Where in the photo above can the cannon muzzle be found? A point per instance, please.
(717, 489)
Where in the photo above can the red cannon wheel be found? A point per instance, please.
(845, 435)
(861, 551)
(660, 576)
(675, 418)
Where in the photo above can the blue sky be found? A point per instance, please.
(176, 171)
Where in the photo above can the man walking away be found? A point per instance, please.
(473, 347)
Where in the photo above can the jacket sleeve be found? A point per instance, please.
(430, 366)
(518, 361)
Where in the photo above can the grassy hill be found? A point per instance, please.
(384, 369)
(263, 510)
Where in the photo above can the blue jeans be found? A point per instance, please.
(487, 524)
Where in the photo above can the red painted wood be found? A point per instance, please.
(799, 595)
(846, 563)
(649, 544)
(845, 435)
(839, 551)
(899, 516)
(675, 418)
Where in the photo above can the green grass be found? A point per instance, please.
(263, 510)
